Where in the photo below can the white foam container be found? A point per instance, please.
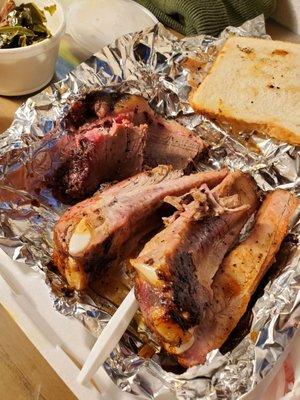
(65, 343)
(27, 69)
(94, 24)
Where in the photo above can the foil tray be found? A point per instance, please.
(152, 63)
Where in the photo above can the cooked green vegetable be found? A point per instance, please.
(51, 9)
(23, 25)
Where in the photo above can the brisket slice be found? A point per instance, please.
(111, 137)
(240, 274)
(96, 231)
(168, 142)
(176, 267)
(99, 155)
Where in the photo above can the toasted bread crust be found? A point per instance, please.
(254, 85)
(274, 131)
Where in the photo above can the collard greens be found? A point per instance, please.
(23, 25)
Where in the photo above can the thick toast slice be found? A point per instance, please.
(254, 84)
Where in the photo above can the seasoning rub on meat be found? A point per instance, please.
(240, 274)
(98, 230)
(176, 267)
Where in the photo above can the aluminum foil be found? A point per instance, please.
(153, 63)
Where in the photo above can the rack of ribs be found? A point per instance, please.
(240, 274)
(97, 231)
(176, 267)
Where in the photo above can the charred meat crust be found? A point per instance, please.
(86, 109)
(182, 290)
(186, 292)
(186, 255)
(98, 155)
(185, 287)
(62, 183)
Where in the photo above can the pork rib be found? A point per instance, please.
(93, 233)
(111, 137)
(176, 267)
(240, 274)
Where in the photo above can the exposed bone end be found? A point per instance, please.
(172, 335)
(80, 239)
(181, 348)
(76, 277)
(148, 271)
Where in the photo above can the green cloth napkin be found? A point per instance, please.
(192, 17)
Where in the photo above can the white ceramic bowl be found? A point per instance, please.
(27, 69)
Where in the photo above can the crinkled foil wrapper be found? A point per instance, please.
(152, 63)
